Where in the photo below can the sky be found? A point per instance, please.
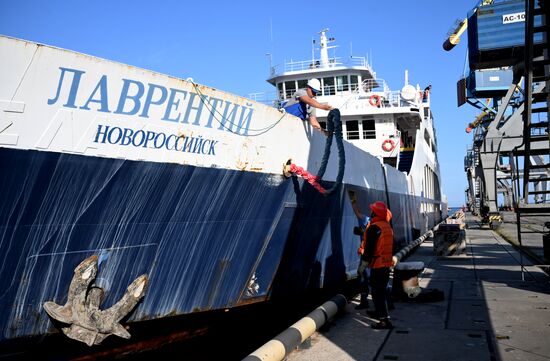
(226, 45)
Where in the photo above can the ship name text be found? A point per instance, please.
(138, 99)
(156, 140)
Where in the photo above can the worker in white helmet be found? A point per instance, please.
(303, 103)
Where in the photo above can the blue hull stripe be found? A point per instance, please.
(200, 233)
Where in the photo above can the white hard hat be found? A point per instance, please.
(314, 84)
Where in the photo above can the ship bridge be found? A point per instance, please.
(376, 119)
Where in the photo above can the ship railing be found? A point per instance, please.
(266, 98)
(352, 91)
(369, 134)
(374, 85)
(391, 98)
(352, 134)
(316, 64)
(327, 90)
(396, 100)
(340, 89)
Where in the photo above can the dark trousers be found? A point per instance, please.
(364, 286)
(379, 278)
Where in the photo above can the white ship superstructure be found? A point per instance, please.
(396, 126)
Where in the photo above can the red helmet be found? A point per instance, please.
(379, 208)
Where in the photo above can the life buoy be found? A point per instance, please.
(388, 145)
(375, 100)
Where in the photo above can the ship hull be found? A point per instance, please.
(160, 176)
(201, 234)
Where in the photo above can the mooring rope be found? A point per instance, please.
(217, 116)
(334, 128)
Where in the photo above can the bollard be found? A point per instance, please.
(280, 346)
(405, 279)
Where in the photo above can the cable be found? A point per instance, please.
(213, 112)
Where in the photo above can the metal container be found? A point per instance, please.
(496, 34)
(489, 83)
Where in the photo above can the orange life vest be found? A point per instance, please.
(383, 252)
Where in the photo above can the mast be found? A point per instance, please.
(324, 48)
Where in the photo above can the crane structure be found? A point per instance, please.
(509, 66)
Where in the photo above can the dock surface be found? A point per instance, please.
(492, 311)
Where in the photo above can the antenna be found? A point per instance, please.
(270, 62)
(312, 51)
(370, 57)
(271, 46)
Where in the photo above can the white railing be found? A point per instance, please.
(267, 98)
(316, 64)
(352, 134)
(353, 91)
(369, 134)
(379, 85)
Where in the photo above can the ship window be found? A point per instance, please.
(290, 88)
(392, 161)
(352, 129)
(354, 82)
(281, 92)
(342, 83)
(369, 130)
(426, 112)
(302, 84)
(328, 86)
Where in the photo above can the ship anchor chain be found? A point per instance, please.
(88, 323)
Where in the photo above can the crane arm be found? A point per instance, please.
(454, 37)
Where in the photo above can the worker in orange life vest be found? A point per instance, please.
(377, 251)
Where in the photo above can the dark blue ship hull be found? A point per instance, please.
(208, 238)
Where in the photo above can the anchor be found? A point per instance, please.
(87, 322)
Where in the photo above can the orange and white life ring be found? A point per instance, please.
(375, 100)
(388, 145)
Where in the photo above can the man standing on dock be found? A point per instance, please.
(378, 252)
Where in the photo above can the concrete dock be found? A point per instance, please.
(492, 310)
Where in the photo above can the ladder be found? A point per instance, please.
(536, 160)
(532, 198)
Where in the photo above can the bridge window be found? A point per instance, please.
(342, 83)
(290, 88)
(369, 130)
(426, 137)
(354, 82)
(302, 83)
(352, 129)
(328, 86)
(281, 92)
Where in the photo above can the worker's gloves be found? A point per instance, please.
(362, 267)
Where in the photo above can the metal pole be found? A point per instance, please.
(515, 185)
